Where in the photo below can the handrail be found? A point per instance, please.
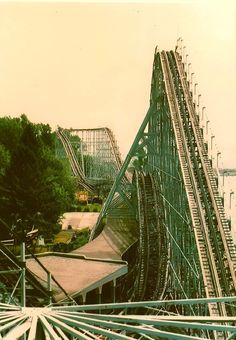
(29, 274)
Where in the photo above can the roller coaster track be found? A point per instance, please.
(152, 274)
(216, 200)
(100, 140)
(111, 139)
(114, 146)
(144, 249)
(76, 169)
(209, 224)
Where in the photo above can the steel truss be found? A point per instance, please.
(169, 149)
(18, 284)
(17, 281)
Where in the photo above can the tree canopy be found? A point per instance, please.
(35, 186)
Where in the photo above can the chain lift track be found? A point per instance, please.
(215, 256)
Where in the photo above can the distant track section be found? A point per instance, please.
(76, 169)
(212, 234)
(100, 141)
(115, 148)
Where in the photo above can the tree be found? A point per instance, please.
(4, 159)
(35, 186)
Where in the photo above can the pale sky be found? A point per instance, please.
(86, 65)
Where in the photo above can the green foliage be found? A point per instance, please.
(4, 294)
(4, 159)
(80, 238)
(35, 187)
(62, 247)
(94, 207)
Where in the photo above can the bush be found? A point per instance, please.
(82, 238)
(63, 247)
(78, 240)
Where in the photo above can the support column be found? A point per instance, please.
(99, 290)
(113, 290)
(22, 252)
(50, 287)
(84, 295)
